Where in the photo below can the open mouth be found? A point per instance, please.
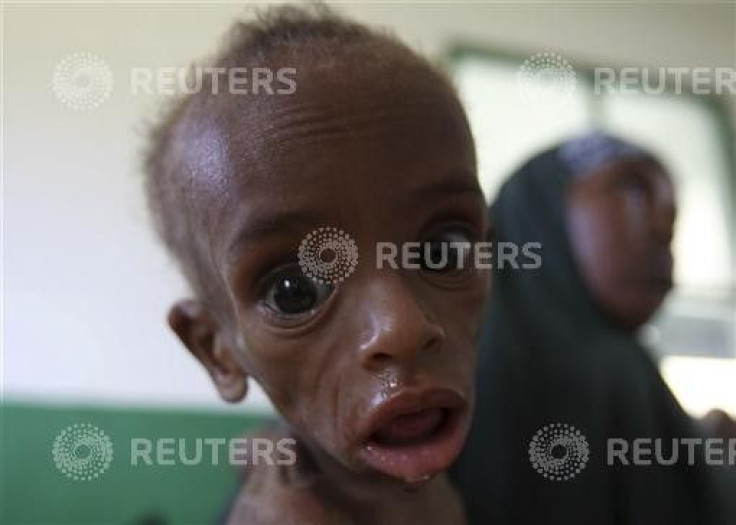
(416, 436)
(412, 429)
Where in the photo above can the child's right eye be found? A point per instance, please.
(290, 293)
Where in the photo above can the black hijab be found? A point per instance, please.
(548, 356)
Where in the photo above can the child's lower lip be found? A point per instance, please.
(419, 447)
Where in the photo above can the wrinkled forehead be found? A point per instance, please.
(375, 106)
(341, 131)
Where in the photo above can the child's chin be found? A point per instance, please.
(417, 460)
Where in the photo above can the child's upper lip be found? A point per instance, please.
(409, 401)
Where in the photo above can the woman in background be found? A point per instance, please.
(560, 348)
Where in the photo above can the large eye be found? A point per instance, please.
(290, 293)
(448, 252)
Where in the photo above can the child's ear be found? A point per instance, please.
(208, 342)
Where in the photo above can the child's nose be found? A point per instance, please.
(397, 330)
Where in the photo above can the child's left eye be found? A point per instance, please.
(290, 293)
(448, 251)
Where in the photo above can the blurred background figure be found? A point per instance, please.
(560, 346)
(718, 423)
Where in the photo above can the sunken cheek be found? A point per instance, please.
(274, 361)
(314, 381)
(300, 372)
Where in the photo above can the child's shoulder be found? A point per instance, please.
(274, 494)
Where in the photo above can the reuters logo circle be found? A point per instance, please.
(82, 81)
(82, 451)
(328, 255)
(559, 451)
(546, 75)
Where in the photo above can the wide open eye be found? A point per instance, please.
(448, 251)
(290, 293)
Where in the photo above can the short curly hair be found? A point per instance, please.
(286, 33)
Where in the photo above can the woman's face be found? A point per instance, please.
(620, 222)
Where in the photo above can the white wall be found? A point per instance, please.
(86, 285)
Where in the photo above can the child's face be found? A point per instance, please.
(378, 370)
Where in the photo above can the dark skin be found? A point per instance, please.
(620, 222)
(385, 157)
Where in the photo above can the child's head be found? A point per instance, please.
(374, 374)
